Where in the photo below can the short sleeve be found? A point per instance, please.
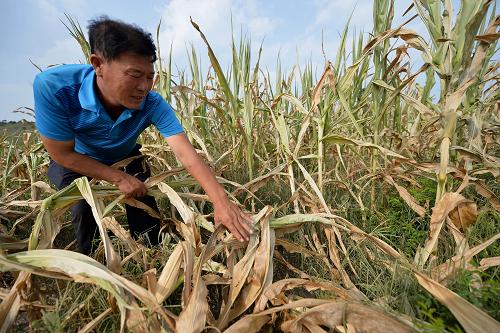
(50, 117)
(164, 118)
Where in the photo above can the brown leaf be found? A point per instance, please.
(97, 205)
(141, 205)
(472, 319)
(240, 274)
(169, 274)
(448, 202)
(275, 291)
(193, 317)
(248, 324)
(334, 313)
(447, 269)
(488, 38)
(464, 215)
(407, 197)
(112, 224)
(483, 190)
(11, 304)
(262, 273)
(486, 263)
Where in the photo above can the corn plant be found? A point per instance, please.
(305, 154)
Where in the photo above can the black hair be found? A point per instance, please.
(110, 38)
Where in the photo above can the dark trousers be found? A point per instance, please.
(140, 222)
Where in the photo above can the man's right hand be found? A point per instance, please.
(131, 186)
(63, 153)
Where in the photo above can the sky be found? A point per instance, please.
(295, 29)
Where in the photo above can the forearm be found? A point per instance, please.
(195, 165)
(88, 166)
(225, 212)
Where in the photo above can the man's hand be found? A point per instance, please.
(131, 186)
(63, 153)
(234, 219)
(225, 212)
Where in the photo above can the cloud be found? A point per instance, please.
(48, 8)
(214, 18)
(53, 10)
(62, 50)
(257, 19)
(329, 12)
(65, 51)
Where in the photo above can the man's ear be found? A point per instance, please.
(97, 61)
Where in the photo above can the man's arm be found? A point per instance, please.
(225, 212)
(63, 153)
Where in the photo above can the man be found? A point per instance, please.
(90, 116)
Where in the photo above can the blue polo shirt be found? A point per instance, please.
(68, 108)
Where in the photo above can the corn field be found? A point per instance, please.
(373, 187)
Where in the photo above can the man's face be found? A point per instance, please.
(125, 81)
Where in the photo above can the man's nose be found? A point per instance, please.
(144, 85)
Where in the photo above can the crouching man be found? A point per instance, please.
(90, 116)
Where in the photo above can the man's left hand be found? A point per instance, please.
(234, 219)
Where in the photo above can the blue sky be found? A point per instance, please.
(31, 29)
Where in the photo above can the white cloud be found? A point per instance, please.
(261, 26)
(53, 10)
(62, 51)
(214, 19)
(329, 12)
(48, 8)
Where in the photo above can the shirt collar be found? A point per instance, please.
(89, 99)
(87, 96)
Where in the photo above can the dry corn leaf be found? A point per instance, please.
(483, 190)
(470, 317)
(43, 186)
(261, 274)
(275, 291)
(11, 304)
(139, 204)
(240, 275)
(407, 197)
(124, 235)
(486, 263)
(136, 320)
(445, 270)
(186, 212)
(97, 206)
(448, 202)
(248, 324)
(362, 318)
(193, 317)
(12, 243)
(464, 215)
(292, 247)
(82, 268)
(169, 275)
(335, 258)
(337, 139)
